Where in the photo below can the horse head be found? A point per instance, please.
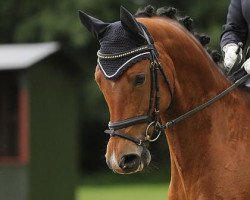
(129, 74)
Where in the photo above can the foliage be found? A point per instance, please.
(44, 20)
(209, 17)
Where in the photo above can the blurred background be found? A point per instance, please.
(52, 114)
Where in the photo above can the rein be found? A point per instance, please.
(207, 104)
(153, 118)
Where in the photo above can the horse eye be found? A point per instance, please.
(139, 79)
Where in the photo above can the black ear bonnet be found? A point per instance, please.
(117, 38)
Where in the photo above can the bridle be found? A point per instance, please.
(152, 117)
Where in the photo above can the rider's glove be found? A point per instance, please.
(246, 65)
(231, 55)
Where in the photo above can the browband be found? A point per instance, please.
(140, 49)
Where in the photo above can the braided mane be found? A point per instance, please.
(186, 21)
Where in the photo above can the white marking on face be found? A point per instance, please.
(113, 160)
(112, 84)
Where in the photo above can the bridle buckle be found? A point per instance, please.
(157, 128)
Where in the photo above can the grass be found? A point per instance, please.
(109, 186)
(123, 192)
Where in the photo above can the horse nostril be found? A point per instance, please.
(130, 162)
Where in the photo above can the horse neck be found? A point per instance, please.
(196, 80)
(196, 142)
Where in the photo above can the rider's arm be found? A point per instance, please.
(236, 28)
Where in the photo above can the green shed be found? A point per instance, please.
(39, 122)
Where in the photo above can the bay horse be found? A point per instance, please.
(166, 74)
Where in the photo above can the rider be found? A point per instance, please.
(236, 29)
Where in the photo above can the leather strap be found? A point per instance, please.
(113, 133)
(205, 105)
(130, 122)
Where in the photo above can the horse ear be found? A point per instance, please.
(95, 26)
(130, 24)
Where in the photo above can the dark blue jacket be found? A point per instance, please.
(238, 23)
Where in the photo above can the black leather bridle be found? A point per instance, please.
(152, 118)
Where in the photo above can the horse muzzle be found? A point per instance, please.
(130, 162)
